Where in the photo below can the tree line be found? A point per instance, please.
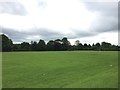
(55, 45)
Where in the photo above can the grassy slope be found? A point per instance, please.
(60, 69)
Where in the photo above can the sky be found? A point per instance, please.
(89, 21)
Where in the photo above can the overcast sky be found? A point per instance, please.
(89, 21)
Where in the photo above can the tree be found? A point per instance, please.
(77, 42)
(34, 46)
(50, 45)
(41, 45)
(25, 46)
(115, 48)
(80, 46)
(65, 44)
(6, 43)
(105, 46)
(16, 47)
(57, 45)
(96, 46)
(89, 47)
(85, 46)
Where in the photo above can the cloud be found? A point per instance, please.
(33, 35)
(107, 16)
(36, 34)
(26, 20)
(12, 7)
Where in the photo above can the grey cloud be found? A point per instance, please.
(107, 19)
(106, 22)
(81, 34)
(41, 4)
(104, 8)
(12, 7)
(18, 36)
(85, 34)
(119, 16)
(43, 33)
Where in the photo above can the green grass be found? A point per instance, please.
(0, 70)
(70, 69)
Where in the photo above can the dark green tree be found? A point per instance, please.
(16, 47)
(50, 45)
(77, 42)
(41, 45)
(89, 47)
(34, 46)
(6, 43)
(97, 46)
(57, 45)
(85, 46)
(25, 46)
(80, 46)
(105, 46)
(65, 44)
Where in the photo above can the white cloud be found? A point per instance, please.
(16, 22)
(60, 15)
(69, 18)
(111, 37)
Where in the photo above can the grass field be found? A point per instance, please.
(70, 69)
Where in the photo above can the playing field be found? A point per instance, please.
(70, 69)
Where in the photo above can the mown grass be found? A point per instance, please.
(70, 69)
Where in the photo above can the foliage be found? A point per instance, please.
(56, 45)
(41, 45)
(6, 43)
(25, 46)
